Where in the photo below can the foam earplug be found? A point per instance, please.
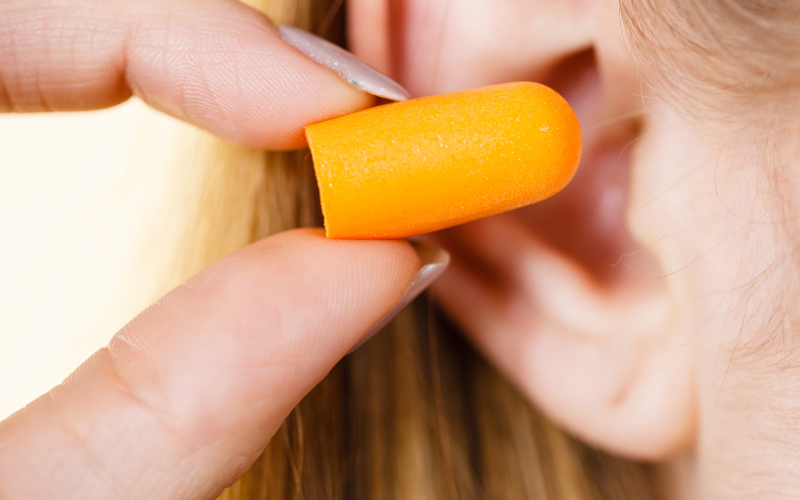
(417, 166)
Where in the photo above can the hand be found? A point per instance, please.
(186, 396)
(215, 63)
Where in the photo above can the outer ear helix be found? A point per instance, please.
(369, 34)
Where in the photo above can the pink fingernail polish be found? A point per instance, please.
(434, 261)
(349, 68)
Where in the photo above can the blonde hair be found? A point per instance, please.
(414, 413)
(727, 57)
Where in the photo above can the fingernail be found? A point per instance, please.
(349, 68)
(434, 261)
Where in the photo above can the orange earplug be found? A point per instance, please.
(413, 167)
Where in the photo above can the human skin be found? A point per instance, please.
(187, 395)
(649, 307)
(184, 398)
(682, 352)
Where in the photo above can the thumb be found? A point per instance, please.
(187, 395)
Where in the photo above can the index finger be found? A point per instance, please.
(216, 63)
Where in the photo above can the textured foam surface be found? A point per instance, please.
(417, 166)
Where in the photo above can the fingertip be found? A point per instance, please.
(240, 80)
(313, 94)
(296, 93)
(398, 249)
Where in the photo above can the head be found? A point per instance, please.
(650, 307)
(647, 310)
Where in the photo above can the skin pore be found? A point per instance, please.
(648, 308)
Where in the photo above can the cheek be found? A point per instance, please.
(451, 45)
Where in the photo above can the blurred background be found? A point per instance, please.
(90, 209)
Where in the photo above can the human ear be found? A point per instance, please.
(600, 357)
(549, 293)
(369, 33)
(438, 47)
(566, 298)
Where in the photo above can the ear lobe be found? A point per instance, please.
(600, 358)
